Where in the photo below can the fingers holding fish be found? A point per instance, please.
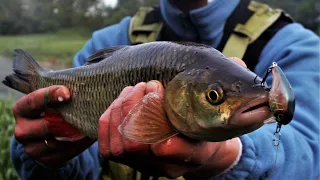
(37, 149)
(116, 141)
(196, 152)
(226, 153)
(34, 103)
(104, 128)
(119, 145)
(130, 99)
(189, 158)
(59, 153)
(128, 103)
(114, 146)
(114, 115)
(104, 133)
(40, 148)
(33, 130)
(154, 86)
(239, 61)
(28, 130)
(28, 112)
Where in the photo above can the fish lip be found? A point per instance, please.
(255, 103)
(249, 113)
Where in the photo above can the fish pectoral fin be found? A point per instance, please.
(147, 122)
(102, 54)
(62, 130)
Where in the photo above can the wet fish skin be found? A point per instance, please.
(190, 112)
(95, 86)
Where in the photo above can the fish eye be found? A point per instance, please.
(214, 94)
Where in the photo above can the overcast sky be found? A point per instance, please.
(111, 3)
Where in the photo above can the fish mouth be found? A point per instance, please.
(253, 113)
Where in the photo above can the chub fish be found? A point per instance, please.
(207, 97)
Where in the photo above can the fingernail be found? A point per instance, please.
(154, 85)
(62, 93)
(60, 99)
(66, 93)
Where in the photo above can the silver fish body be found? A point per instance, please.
(189, 72)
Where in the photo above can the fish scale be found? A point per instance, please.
(190, 73)
(101, 80)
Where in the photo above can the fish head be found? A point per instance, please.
(216, 104)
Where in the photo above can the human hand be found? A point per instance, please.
(174, 157)
(171, 158)
(32, 130)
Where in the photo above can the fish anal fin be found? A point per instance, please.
(147, 122)
(62, 130)
(102, 54)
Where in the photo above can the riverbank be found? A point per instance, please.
(51, 49)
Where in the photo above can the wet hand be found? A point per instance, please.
(32, 129)
(174, 157)
(171, 158)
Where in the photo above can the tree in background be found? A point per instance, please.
(126, 8)
(10, 15)
(37, 16)
(306, 12)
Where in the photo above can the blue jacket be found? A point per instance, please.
(294, 48)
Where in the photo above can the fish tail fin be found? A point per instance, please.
(25, 69)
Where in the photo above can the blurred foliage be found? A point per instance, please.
(37, 16)
(6, 131)
(127, 8)
(306, 12)
(55, 49)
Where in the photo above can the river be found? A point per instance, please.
(5, 69)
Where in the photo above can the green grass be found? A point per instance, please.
(6, 131)
(54, 48)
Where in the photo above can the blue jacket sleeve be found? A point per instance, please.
(114, 35)
(296, 51)
(85, 165)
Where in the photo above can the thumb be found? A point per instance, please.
(239, 61)
(154, 86)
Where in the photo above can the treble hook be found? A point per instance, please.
(274, 64)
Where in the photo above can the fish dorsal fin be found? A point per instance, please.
(186, 43)
(102, 54)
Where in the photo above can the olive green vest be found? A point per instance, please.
(242, 36)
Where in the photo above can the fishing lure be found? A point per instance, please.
(281, 99)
